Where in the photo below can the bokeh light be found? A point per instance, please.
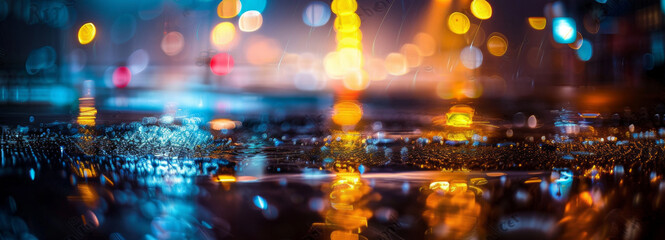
(316, 14)
(481, 9)
(538, 23)
(471, 57)
(347, 113)
(221, 64)
(40, 59)
(250, 21)
(138, 61)
(412, 54)
(223, 34)
(87, 33)
(577, 43)
(585, 52)
(497, 44)
(121, 77)
(356, 80)
(343, 7)
(173, 43)
(425, 43)
(347, 22)
(396, 64)
(564, 30)
(228, 8)
(458, 23)
(222, 124)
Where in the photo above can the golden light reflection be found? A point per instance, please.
(228, 8)
(460, 116)
(451, 210)
(87, 112)
(86, 195)
(341, 7)
(458, 23)
(347, 23)
(347, 113)
(396, 64)
(538, 23)
(224, 178)
(412, 54)
(222, 124)
(84, 169)
(426, 43)
(497, 44)
(87, 33)
(348, 213)
(481, 9)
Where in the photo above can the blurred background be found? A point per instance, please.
(289, 57)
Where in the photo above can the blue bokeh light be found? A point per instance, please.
(585, 51)
(564, 30)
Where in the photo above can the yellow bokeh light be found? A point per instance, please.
(87, 33)
(425, 43)
(347, 23)
(347, 113)
(341, 7)
(333, 66)
(228, 8)
(250, 21)
(349, 43)
(497, 44)
(223, 33)
(481, 9)
(356, 80)
(396, 64)
(412, 55)
(538, 23)
(358, 35)
(352, 59)
(458, 23)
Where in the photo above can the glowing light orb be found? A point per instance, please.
(223, 33)
(564, 30)
(471, 57)
(481, 9)
(349, 43)
(538, 23)
(458, 23)
(222, 124)
(121, 77)
(356, 80)
(341, 7)
(347, 113)
(333, 65)
(357, 35)
(138, 61)
(221, 64)
(250, 21)
(347, 23)
(532, 122)
(87, 33)
(412, 54)
(228, 8)
(425, 43)
(396, 64)
(253, 5)
(585, 52)
(497, 44)
(316, 14)
(352, 58)
(172, 43)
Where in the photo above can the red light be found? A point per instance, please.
(121, 77)
(221, 64)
